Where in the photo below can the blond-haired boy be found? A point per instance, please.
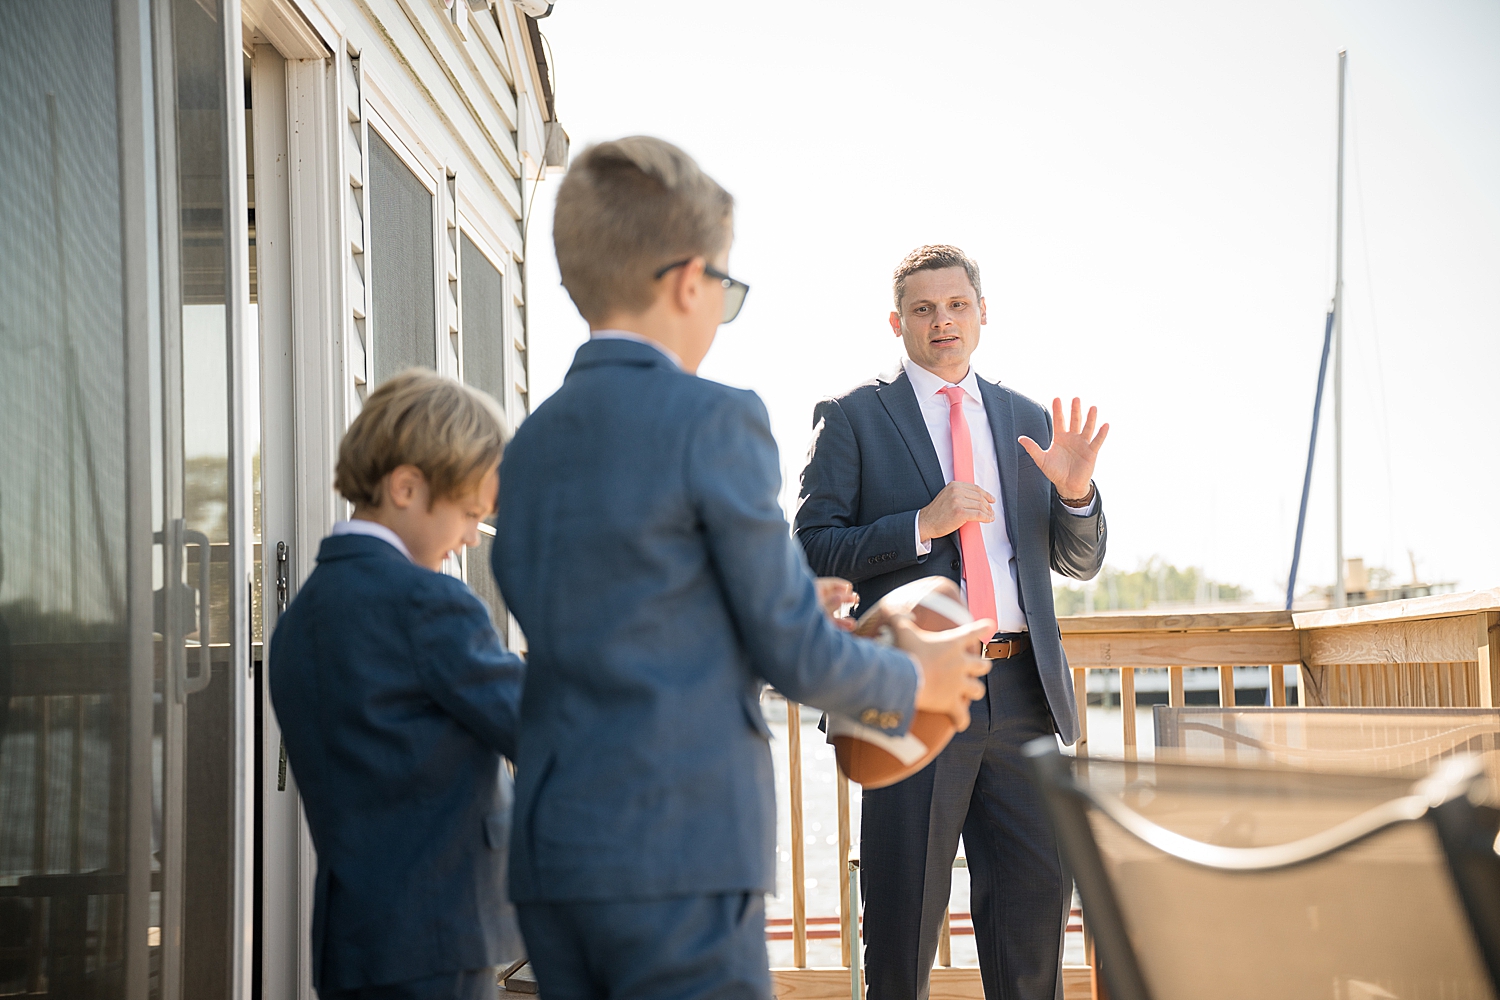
(397, 700)
(641, 546)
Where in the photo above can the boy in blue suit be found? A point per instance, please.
(641, 547)
(397, 701)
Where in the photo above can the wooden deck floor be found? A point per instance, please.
(947, 984)
(833, 984)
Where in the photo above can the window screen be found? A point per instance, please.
(484, 322)
(484, 368)
(403, 321)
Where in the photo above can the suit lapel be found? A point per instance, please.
(998, 407)
(900, 402)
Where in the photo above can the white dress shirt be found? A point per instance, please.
(997, 543)
(359, 526)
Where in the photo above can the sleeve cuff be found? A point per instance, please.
(923, 548)
(1081, 511)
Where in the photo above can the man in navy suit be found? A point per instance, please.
(641, 548)
(933, 470)
(397, 701)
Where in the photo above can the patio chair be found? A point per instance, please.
(1248, 883)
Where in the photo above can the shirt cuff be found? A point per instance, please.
(1083, 511)
(925, 547)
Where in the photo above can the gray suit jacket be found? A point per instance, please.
(872, 467)
(641, 546)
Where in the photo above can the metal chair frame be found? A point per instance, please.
(1451, 798)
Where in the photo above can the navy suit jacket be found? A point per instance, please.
(396, 701)
(872, 467)
(641, 547)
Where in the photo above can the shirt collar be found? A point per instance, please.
(926, 385)
(359, 526)
(628, 335)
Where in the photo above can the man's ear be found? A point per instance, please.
(896, 322)
(983, 316)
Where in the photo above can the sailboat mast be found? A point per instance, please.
(1339, 596)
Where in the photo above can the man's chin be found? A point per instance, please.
(946, 354)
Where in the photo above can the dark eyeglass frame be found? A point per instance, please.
(735, 290)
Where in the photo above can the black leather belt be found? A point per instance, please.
(1006, 645)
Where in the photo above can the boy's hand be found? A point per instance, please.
(834, 593)
(950, 666)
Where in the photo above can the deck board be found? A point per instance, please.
(947, 984)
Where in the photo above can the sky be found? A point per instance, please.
(1149, 192)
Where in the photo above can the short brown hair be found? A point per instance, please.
(627, 208)
(934, 257)
(452, 432)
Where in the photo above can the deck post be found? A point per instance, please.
(1176, 695)
(1226, 686)
(1487, 652)
(1081, 696)
(846, 917)
(1278, 685)
(799, 862)
(856, 965)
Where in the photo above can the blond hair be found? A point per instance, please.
(626, 209)
(450, 431)
(933, 257)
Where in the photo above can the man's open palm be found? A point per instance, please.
(1069, 463)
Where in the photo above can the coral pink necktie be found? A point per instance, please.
(981, 585)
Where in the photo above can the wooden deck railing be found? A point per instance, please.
(1430, 651)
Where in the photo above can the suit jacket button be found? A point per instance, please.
(889, 720)
(869, 717)
(956, 565)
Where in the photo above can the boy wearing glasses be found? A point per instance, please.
(641, 547)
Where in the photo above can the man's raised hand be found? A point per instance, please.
(950, 664)
(1069, 463)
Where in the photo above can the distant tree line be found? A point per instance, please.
(1156, 582)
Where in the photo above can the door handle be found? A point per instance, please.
(193, 683)
(282, 583)
(174, 541)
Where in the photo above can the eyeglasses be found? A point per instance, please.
(734, 289)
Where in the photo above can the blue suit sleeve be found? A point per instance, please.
(734, 478)
(463, 665)
(828, 503)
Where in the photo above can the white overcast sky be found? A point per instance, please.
(1148, 189)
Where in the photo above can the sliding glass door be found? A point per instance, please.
(203, 635)
(66, 666)
(123, 628)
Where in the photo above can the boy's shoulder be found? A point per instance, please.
(356, 568)
(365, 591)
(695, 398)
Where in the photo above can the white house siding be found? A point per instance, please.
(449, 101)
(462, 110)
